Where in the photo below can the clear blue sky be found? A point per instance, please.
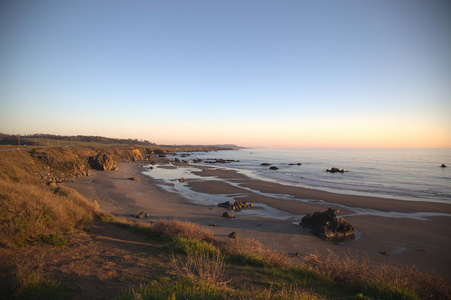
(254, 73)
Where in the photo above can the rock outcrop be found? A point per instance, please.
(103, 162)
(137, 156)
(237, 206)
(273, 168)
(233, 235)
(228, 215)
(142, 215)
(335, 170)
(220, 160)
(326, 224)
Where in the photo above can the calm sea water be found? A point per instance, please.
(409, 174)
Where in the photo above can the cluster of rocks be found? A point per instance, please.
(276, 168)
(236, 206)
(220, 160)
(142, 215)
(335, 170)
(326, 224)
(51, 178)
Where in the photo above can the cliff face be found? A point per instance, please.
(58, 164)
(53, 165)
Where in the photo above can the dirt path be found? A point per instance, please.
(99, 264)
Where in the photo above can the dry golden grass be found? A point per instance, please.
(176, 228)
(252, 247)
(360, 271)
(246, 246)
(30, 213)
(201, 267)
(18, 166)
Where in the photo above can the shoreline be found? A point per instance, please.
(423, 243)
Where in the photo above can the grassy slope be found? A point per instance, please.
(55, 245)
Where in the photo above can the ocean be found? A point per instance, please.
(405, 174)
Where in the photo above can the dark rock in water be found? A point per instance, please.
(443, 166)
(233, 235)
(134, 178)
(335, 170)
(265, 164)
(228, 215)
(213, 225)
(273, 168)
(142, 215)
(326, 224)
(298, 164)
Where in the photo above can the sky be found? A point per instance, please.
(256, 73)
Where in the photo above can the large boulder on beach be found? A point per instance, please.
(226, 204)
(228, 215)
(103, 162)
(326, 224)
(142, 215)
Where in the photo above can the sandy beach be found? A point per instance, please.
(423, 242)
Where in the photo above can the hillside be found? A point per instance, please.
(55, 244)
(97, 141)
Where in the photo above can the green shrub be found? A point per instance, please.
(247, 259)
(192, 247)
(54, 240)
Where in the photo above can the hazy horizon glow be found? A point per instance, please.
(281, 74)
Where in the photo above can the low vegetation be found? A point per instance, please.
(177, 260)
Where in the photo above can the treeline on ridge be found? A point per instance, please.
(9, 139)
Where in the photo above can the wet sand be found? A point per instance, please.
(424, 242)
